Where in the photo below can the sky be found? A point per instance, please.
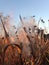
(25, 8)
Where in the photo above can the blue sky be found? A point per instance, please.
(39, 8)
